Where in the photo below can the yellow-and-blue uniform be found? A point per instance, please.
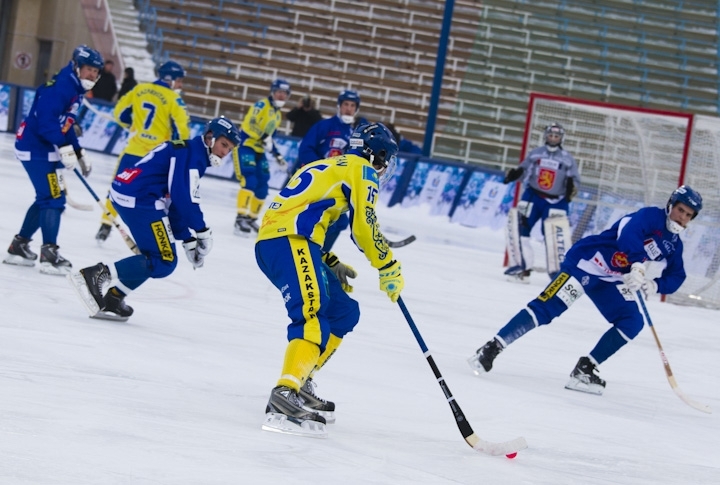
(154, 114)
(251, 165)
(288, 251)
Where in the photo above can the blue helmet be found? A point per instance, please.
(170, 71)
(222, 126)
(375, 143)
(280, 85)
(87, 56)
(349, 95)
(687, 196)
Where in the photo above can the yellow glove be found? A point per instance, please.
(391, 280)
(341, 270)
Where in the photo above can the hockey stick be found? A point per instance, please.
(126, 237)
(400, 243)
(508, 448)
(71, 202)
(668, 371)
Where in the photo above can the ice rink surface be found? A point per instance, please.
(177, 394)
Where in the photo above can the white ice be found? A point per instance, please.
(177, 394)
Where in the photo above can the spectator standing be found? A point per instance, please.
(303, 117)
(106, 87)
(128, 83)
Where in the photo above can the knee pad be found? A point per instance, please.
(345, 322)
(160, 268)
(630, 326)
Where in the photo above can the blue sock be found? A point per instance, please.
(133, 271)
(608, 344)
(520, 324)
(31, 223)
(50, 225)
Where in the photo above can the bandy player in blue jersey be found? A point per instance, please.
(610, 268)
(329, 138)
(46, 142)
(158, 198)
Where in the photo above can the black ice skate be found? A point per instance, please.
(95, 278)
(114, 307)
(284, 414)
(19, 252)
(243, 226)
(583, 378)
(51, 262)
(103, 233)
(312, 402)
(483, 359)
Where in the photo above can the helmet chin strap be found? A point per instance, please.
(87, 84)
(215, 161)
(278, 103)
(673, 226)
(551, 148)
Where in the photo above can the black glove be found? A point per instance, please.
(570, 190)
(513, 174)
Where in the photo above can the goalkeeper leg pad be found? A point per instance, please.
(557, 242)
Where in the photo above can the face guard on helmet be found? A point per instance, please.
(221, 127)
(554, 136)
(279, 92)
(348, 95)
(169, 73)
(375, 143)
(86, 56)
(685, 195)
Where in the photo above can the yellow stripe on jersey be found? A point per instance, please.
(316, 196)
(309, 283)
(261, 121)
(155, 111)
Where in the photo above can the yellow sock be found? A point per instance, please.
(332, 345)
(255, 207)
(243, 201)
(105, 219)
(300, 359)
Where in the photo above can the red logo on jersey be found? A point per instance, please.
(620, 260)
(546, 179)
(20, 131)
(334, 152)
(128, 175)
(68, 124)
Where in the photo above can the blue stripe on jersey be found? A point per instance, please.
(311, 216)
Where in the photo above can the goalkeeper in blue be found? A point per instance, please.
(610, 268)
(314, 284)
(158, 197)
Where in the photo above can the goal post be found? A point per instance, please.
(630, 157)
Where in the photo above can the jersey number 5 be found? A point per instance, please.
(305, 179)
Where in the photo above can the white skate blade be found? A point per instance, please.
(16, 260)
(280, 423)
(475, 365)
(575, 384)
(78, 283)
(244, 234)
(328, 415)
(110, 316)
(47, 268)
(518, 279)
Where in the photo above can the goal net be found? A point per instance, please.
(630, 157)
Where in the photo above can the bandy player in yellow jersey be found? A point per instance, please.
(154, 113)
(313, 284)
(251, 165)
